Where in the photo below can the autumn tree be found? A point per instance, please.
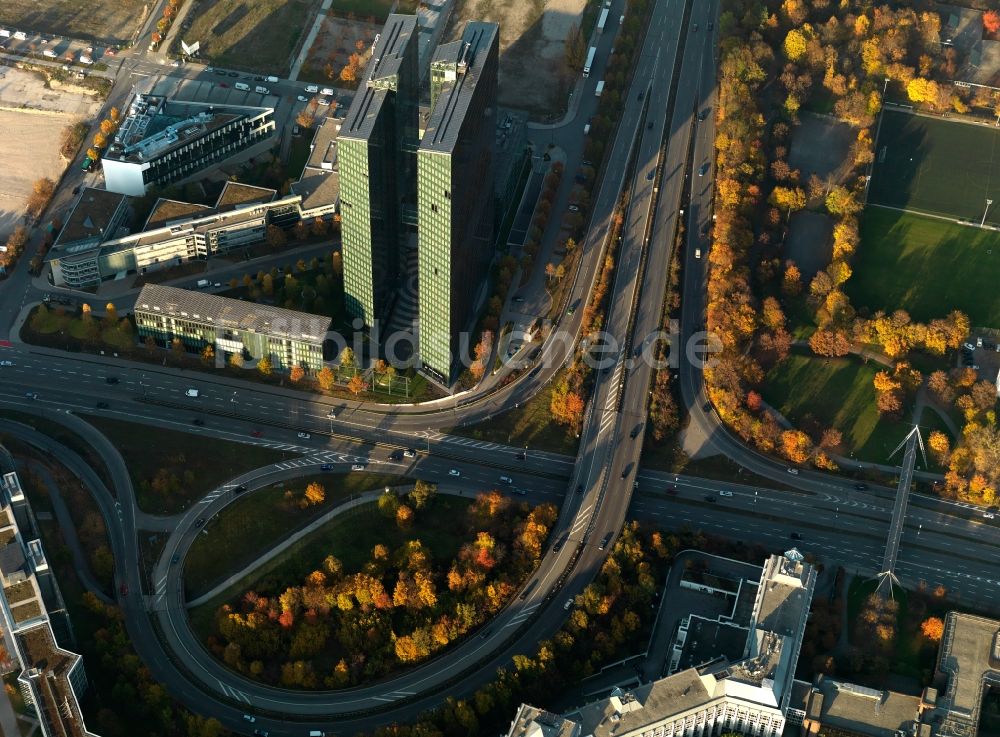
(315, 493)
(275, 236)
(357, 384)
(932, 628)
(326, 378)
(939, 445)
(404, 517)
(422, 494)
(264, 366)
(991, 21)
(795, 446)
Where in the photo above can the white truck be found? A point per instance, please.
(603, 20)
(590, 61)
(599, 89)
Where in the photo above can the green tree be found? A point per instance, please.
(423, 493)
(388, 504)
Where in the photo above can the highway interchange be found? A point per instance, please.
(659, 133)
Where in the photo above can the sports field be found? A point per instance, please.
(926, 266)
(937, 166)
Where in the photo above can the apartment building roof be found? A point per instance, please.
(388, 55)
(166, 211)
(469, 54)
(235, 194)
(91, 217)
(234, 314)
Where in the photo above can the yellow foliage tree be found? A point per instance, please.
(922, 90)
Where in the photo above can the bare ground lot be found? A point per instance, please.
(29, 149)
(258, 35)
(334, 44)
(533, 76)
(108, 21)
(30, 144)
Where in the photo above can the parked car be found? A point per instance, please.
(326, 467)
(410, 453)
(304, 435)
(358, 467)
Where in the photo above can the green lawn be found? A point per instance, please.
(261, 519)
(926, 266)
(530, 425)
(350, 537)
(259, 35)
(193, 464)
(835, 392)
(937, 166)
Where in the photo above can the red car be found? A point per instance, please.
(257, 434)
(123, 589)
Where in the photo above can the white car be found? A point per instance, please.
(454, 472)
(302, 98)
(304, 435)
(358, 467)
(793, 471)
(6, 363)
(324, 101)
(191, 393)
(568, 605)
(175, 64)
(410, 453)
(209, 69)
(725, 493)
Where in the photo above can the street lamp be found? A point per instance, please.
(988, 203)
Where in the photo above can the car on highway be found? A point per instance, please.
(627, 470)
(240, 489)
(711, 25)
(695, 27)
(123, 589)
(605, 540)
(111, 380)
(988, 515)
(250, 718)
(652, 173)
(861, 487)
(574, 208)
(102, 405)
(642, 93)
(703, 170)
(257, 433)
(559, 543)
(793, 471)
(725, 492)
(197, 421)
(710, 499)
(31, 395)
(6, 363)
(521, 456)
(649, 126)
(326, 467)
(703, 114)
(304, 435)
(175, 559)
(199, 522)
(796, 536)
(568, 605)
(506, 480)
(579, 488)
(518, 299)
(570, 311)
(454, 472)
(409, 453)
(191, 393)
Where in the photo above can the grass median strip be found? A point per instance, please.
(261, 519)
(171, 469)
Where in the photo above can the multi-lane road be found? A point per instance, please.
(657, 158)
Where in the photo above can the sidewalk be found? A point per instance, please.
(300, 58)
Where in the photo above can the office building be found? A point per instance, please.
(375, 157)
(319, 184)
(52, 679)
(231, 326)
(455, 197)
(750, 695)
(95, 244)
(162, 141)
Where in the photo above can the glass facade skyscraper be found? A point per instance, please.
(375, 151)
(455, 197)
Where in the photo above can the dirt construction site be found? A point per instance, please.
(533, 74)
(32, 137)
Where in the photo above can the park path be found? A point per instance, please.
(353, 502)
(300, 58)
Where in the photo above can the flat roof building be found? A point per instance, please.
(375, 156)
(231, 326)
(455, 193)
(319, 185)
(52, 679)
(750, 696)
(174, 232)
(162, 141)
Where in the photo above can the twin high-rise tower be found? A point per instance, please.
(393, 180)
